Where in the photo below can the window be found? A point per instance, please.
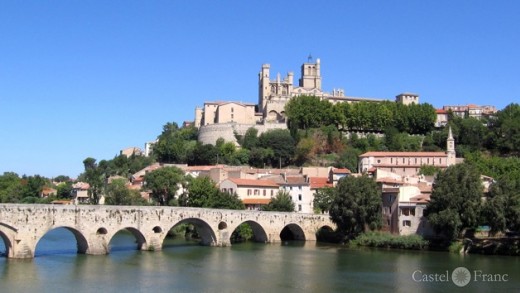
(257, 192)
(232, 110)
(264, 192)
(272, 193)
(299, 207)
(405, 211)
(409, 211)
(407, 223)
(299, 197)
(249, 192)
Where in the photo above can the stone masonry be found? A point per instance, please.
(22, 226)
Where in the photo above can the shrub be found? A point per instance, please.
(386, 240)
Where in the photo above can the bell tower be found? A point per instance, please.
(450, 149)
(311, 75)
(264, 88)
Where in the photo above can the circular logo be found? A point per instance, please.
(461, 276)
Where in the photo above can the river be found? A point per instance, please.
(250, 267)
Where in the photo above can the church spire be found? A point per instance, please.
(450, 148)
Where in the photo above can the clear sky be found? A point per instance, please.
(85, 79)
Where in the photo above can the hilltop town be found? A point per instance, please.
(301, 141)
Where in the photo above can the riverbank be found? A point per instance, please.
(489, 246)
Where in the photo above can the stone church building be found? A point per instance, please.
(224, 118)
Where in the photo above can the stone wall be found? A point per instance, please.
(208, 134)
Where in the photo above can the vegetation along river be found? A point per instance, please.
(184, 266)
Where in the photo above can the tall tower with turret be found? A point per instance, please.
(450, 149)
(264, 89)
(311, 75)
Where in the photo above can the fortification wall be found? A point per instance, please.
(208, 134)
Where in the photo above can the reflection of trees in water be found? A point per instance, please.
(184, 231)
(242, 233)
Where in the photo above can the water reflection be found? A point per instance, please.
(253, 267)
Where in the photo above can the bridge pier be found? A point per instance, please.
(154, 243)
(97, 245)
(223, 238)
(21, 249)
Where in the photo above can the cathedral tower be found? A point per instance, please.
(264, 89)
(311, 75)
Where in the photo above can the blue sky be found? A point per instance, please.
(88, 78)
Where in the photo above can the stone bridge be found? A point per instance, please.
(93, 226)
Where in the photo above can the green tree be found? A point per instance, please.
(204, 155)
(225, 200)
(323, 199)
(117, 193)
(95, 177)
(202, 192)
(281, 143)
(282, 202)
(61, 178)
(64, 189)
(304, 112)
(502, 208)
(164, 183)
(471, 133)
(455, 202)
(259, 157)
(507, 129)
(429, 170)
(250, 139)
(32, 186)
(198, 192)
(175, 144)
(10, 187)
(357, 205)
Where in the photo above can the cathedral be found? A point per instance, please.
(273, 94)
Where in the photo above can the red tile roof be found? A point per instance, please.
(253, 182)
(340, 171)
(256, 200)
(295, 180)
(319, 182)
(404, 154)
(421, 198)
(389, 180)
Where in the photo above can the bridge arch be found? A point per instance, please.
(205, 231)
(140, 239)
(293, 231)
(7, 234)
(81, 242)
(259, 233)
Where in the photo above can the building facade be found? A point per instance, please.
(406, 164)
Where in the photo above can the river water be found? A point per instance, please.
(249, 267)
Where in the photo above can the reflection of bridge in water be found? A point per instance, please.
(93, 226)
